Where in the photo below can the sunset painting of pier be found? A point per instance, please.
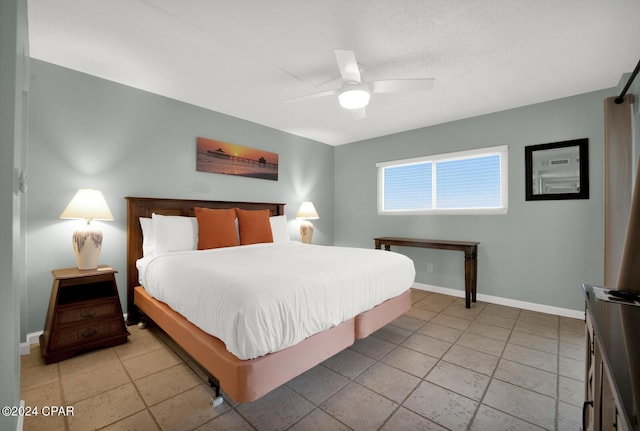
(230, 159)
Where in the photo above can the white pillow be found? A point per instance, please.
(148, 245)
(279, 228)
(174, 233)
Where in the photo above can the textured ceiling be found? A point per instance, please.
(245, 58)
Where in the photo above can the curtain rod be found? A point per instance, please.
(620, 98)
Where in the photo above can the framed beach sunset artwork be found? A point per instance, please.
(230, 159)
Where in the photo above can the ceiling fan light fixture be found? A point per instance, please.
(354, 99)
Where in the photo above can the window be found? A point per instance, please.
(466, 182)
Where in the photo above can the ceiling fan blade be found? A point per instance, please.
(348, 65)
(359, 114)
(401, 85)
(312, 96)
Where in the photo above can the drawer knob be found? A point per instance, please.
(88, 333)
(88, 313)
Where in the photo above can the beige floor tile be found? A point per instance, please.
(44, 423)
(481, 343)
(571, 368)
(491, 419)
(33, 359)
(444, 333)
(533, 358)
(388, 381)
(539, 318)
(141, 421)
(410, 361)
(569, 417)
(417, 295)
(373, 347)
(45, 395)
(427, 345)
(521, 403)
(495, 319)
(451, 321)
(393, 334)
(571, 324)
(459, 380)
(349, 363)
(573, 351)
(319, 420)
(572, 337)
(444, 407)
(420, 314)
(187, 410)
(570, 391)
(458, 309)
(35, 377)
(483, 363)
(527, 377)
(167, 383)
(410, 323)
(404, 420)
(277, 410)
(139, 342)
(79, 386)
(537, 329)
(489, 331)
(105, 408)
(230, 421)
(434, 303)
(502, 310)
(149, 363)
(88, 361)
(532, 341)
(318, 384)
(359, 407)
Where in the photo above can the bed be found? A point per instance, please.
(242, 379)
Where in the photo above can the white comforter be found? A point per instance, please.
(265, 297)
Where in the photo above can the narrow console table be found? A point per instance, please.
(470, 250)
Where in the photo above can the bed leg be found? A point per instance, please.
(215, 385)
(142, 324)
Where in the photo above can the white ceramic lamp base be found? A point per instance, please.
(87, 244)
(306, 231)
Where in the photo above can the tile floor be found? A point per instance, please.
(438, 367)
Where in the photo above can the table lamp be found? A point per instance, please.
(306, 212)
(90, 205)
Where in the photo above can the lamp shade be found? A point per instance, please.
(87, 204)
(307, 211)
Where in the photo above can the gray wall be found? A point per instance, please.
(14, 50)
(88, 132)
(539, 252)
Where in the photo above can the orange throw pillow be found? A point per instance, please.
(216, 228)
(254, 226)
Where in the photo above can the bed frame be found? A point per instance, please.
(242, 380)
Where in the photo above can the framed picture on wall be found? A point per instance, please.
(558, 170)
(220, 157)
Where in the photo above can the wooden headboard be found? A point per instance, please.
(145, 207)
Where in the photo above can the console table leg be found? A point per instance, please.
(470, 273)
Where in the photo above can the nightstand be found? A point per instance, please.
(84, 313)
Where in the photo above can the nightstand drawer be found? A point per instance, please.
(74, 335)
(88, 310)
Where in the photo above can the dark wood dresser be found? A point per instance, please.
(84, 313)
(612, 380)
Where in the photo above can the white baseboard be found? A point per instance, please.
(531, 306)
(32, 338)
(20, 424)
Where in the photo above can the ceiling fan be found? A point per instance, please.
(354, 94)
